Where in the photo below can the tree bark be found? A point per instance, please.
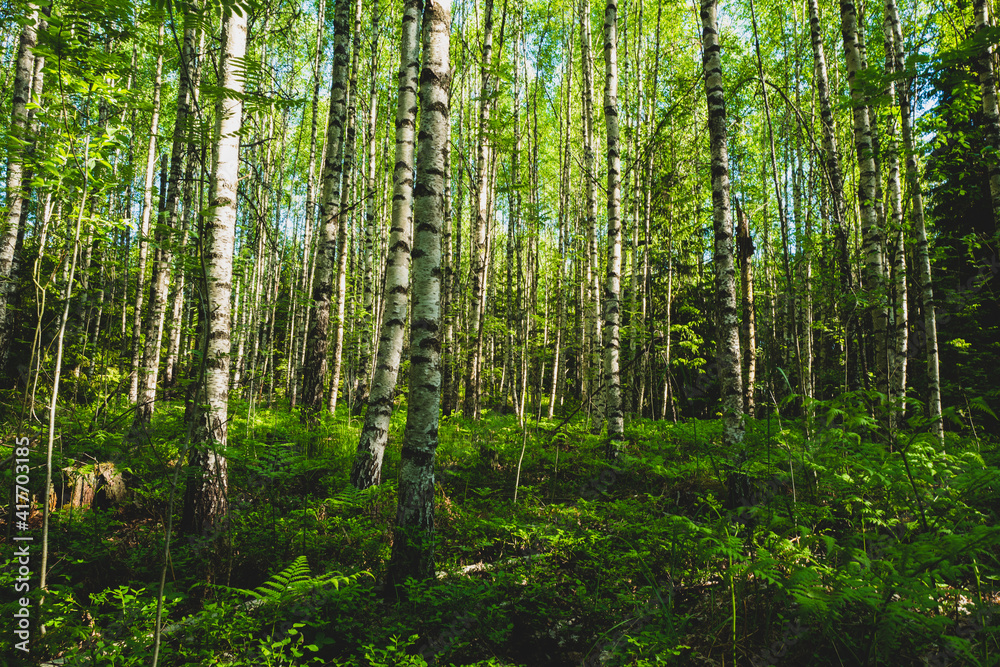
(342, 241)
(591, 370)
(317, 343)
(477, 268)
(412, 551)
(612, 288)
(156, 312)
(872, 240)
(728, 351)
(835, 181)
(923, 263)
(23, 73)
(367, 469)
(206, 504)
(367, 347)
(991, 109)
(745, 250)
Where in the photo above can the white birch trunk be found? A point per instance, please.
(728, 352)
(207, 493)
(612, 287)
(367, 469)
(413, 552)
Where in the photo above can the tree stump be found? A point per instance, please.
(99, 486)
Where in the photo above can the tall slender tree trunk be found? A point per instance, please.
(745, 249)
(317, 343)
(11, 229)
(189, 218)
(342, 241)
(367, 346)
(303, 311)
(156, 313)
(922, 259)
(367, 469)
(413, 551)
(991, 109)
(895, 246)
(835, 180)
(206, 502)
(612, 288)
(872, 239)
(728, 352)
(592, 355)
(477, 268)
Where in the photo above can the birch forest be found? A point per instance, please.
(368, 333)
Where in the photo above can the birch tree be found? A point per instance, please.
(317, 343)
(728, 350)
(206, 494)
(871, 235)
(23, 73)
(160, 278)
(412, 551)
(612, 288)
(367, 469)
(835, 181)
(477, 269)
(991, 109)
(915, 191)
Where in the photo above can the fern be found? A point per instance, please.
(295, 581)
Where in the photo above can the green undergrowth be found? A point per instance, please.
(832, 540)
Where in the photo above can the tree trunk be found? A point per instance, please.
(367, 469)
(412, 551)
(342, 242)
(872, 239)
(835, 180)
(923, 262)
(898, 315)
(991, 110)
(612, 289)
(591, 370)
(367, 346)
(206, 504)
(477, 268)
(156, 313)
(317, 342)
(728, 351)
(745, 250)
(24, 70)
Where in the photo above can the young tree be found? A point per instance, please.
(835, 179)
(367, 469)
(366, 349)
(206, 493)
(412, 549)
(477, 268)
(347, 167)
(156, 312)
(591, 358)
(915, 191)
(728, 351)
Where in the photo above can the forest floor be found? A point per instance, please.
(832, 544)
